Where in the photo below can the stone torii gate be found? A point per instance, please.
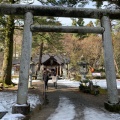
(34, 10)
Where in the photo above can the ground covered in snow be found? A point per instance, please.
(66, 111)
(8, 99)
(66, 103)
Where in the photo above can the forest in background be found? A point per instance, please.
(72, 45)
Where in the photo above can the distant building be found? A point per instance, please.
(58, 63)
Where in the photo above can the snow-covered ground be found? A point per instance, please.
(8, 99)
(101, 83)
(65, 104)
(66, 111)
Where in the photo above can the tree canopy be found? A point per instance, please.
(78, 3)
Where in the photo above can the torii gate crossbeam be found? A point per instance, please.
(64, 29)
(37, 10)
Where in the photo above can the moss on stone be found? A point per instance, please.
(112, 107)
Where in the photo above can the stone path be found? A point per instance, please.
(79, 99)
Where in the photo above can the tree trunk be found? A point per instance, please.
(8, 51)
(40, 55)
(116, 66)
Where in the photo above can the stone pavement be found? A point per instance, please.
(79, 99)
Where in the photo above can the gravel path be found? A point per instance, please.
(78, 99)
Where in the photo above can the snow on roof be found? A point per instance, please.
(58, 58)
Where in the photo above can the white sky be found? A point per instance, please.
(8, 99)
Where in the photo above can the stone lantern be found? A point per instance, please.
(65, 68)
(83, 68)
(31, 72)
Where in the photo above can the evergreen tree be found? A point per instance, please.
(67, 3)
(8, 50)
(99, 3)
(79, 23)
(79, 3)
(47, 42)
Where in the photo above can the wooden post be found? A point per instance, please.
(60, 70)
(57, 70)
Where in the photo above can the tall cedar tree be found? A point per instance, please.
(8, 51)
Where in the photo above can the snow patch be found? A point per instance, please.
(10, 116)
(94, 114)
(65, 110)
(8, 100)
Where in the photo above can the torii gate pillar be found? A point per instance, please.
(109, 66)
(23, 107)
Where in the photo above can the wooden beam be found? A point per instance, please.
(37, 10)
(66, 29)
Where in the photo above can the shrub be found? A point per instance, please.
(77, 77)
(87, 89)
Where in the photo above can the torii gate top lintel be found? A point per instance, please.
(37, 10)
